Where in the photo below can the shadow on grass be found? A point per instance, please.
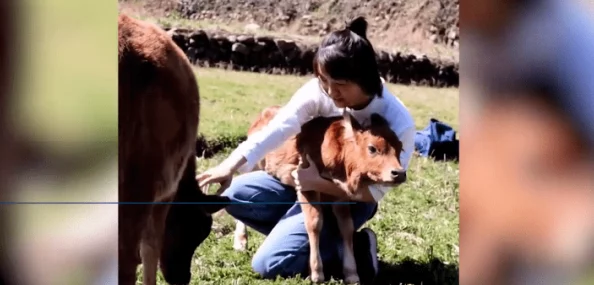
(413, 272)
(207, 148)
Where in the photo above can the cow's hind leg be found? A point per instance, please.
(150, 246)
(347, 229)
(164, 186)
(147, 252)
(132, 219)
(312, 214)
(129, 241)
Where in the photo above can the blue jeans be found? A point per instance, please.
(285, 251)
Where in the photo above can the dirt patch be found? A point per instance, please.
(428, 27)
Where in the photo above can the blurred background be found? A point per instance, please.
(59, 134)
(526, 109)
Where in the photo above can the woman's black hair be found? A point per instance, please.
(348, 55)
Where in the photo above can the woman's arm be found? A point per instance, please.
(302, 107)
(407, 137)
(313, 181)
(339, 189)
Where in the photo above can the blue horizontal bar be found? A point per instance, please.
(172, 203)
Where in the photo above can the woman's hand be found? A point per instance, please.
(219, 174)
(306, 179)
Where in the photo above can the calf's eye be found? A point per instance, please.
(371, 149)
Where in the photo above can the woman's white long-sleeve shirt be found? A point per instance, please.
(309, 102)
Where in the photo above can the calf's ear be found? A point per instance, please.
(378, 120)
(350, 125)
(349, 133)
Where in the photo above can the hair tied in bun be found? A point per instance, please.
(358, 26)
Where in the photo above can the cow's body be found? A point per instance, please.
(338, 146)
(158, 122)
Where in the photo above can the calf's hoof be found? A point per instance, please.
(240, 243)
(317, 277)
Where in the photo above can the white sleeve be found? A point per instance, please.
(407, 137)
(378, 191)
(302, 107)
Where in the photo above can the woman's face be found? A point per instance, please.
(344, 93)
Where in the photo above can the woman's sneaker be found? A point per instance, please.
(365, 246)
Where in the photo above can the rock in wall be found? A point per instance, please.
(281, 56)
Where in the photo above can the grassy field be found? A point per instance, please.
(416, 225)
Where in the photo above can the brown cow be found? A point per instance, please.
(351, 155)
(158, 122)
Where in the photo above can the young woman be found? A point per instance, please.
(347, 78)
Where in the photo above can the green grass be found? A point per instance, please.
(416, 225)
(231, 100)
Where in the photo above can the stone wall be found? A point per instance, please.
(282, 56)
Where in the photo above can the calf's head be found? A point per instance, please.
(374, 151)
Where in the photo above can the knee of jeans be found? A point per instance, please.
(236, 196)
(235, 210)
(233, 191)
(268, 266)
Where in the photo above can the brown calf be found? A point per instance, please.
(351, 155)
(158, 122)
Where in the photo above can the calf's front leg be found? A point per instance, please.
(347, 229)
(313, 218)
(313, 225)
